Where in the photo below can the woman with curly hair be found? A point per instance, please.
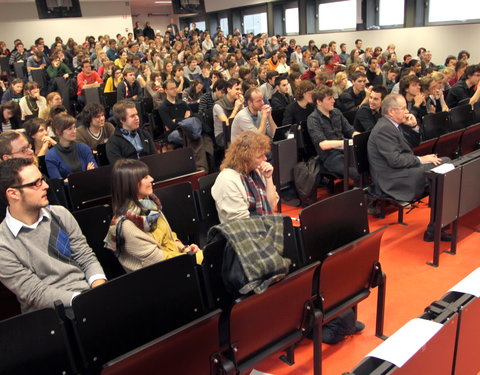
(245, 186)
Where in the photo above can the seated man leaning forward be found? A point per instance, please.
(395, 170)
(256, 116)
(43, 255)
(245, 186)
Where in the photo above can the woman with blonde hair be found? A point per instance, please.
(245, 186)
(53, 99)
(340, 84)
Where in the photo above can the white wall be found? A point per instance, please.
(159, 17)
(441, 40)
(20, 20)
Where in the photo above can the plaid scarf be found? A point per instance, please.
(144, 217)
(257, 197)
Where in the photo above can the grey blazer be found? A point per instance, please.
(395, 170)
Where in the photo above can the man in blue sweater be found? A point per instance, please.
(43, 255)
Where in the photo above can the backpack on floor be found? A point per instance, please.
(307, 177)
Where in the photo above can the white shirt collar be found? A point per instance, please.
(16, 225)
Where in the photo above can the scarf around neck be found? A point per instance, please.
(257, 197)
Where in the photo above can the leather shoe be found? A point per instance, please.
(428, 236)
(359, 326)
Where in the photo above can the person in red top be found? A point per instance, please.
(86, 79)
(312, 69)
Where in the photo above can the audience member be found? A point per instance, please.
(128, 141)
(37, 133)
(10, 115)
(368, 114)
(44, 256)
(245, 186)
(67, 156)
(146, 235)
(464, 91)
(281, 98)
(328, 128)
(256, 116)
(354, 97)
(226, 108)
(94, 129)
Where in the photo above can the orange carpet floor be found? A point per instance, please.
(411, 286)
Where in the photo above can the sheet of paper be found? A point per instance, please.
(444, 168)
(470, 284)
(404, 343)
(256, 372)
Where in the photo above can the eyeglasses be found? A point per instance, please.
(23, 150)
(35, 184)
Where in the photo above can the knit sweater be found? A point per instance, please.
(48, 263)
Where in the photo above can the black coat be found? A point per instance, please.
(119, 148)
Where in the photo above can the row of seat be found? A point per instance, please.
(163, 301)
(451, 350)
(437, 124)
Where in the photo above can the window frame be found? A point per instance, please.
(439, 23)
(290, 6)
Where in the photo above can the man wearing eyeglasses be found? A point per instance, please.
(396, 171)
(43, 255)
(13, 144)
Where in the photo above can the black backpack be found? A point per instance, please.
(307, 178)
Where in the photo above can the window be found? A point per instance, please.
(255, 23)
(291, 21)
(391, 12)
(224, 25)
(338, 15)
(459, 10)
(200, 25)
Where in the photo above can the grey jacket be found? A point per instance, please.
(395, 170)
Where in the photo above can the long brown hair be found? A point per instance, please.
(126, 175)
(244, 149)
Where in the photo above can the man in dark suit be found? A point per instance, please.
(395, 170)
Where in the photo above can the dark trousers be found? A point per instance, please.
(334, 163)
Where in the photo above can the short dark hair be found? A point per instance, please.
(463, 52)
(232, 82)
(220, 84)
(271, 74)
(90, 111)
(356, 75)
(380, 90)
(471, 70)
(56, 110)
(10, 174)
(321, 93)
(406, 81)
(449, 58)
(279, 79)
(12, 106)
(33, 125)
